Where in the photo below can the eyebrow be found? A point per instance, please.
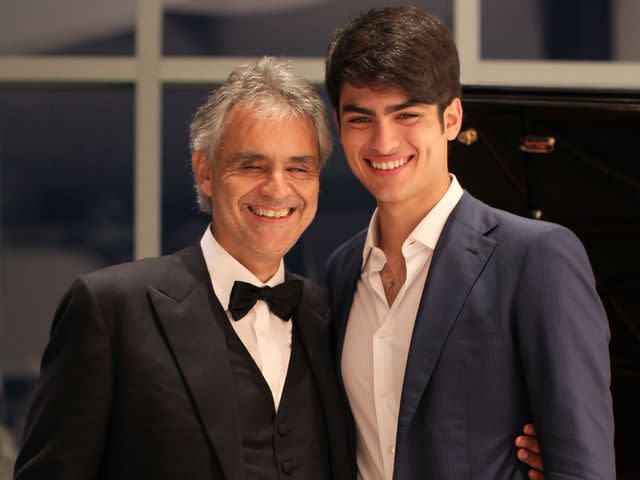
(352, 107)
(243, 156)
(302, 158)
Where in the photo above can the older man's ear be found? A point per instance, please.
(202, 171)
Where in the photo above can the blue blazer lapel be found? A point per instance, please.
(343, 276)
(343, 290)
(187, 311)
(458, 259)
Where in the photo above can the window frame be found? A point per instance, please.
(148, 71)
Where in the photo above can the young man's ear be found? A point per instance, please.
(336, 120)
(452, 119)
(203, 172)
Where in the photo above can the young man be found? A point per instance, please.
(455, 323)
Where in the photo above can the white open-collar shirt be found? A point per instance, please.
(265, 336)
(377, 338)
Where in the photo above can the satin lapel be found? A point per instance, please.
(314, 335)
(458, 260)
(313, 327)
(199, 347)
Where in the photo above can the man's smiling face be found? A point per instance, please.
(397, 148)
(263, 184)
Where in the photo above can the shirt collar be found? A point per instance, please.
(225, 269)
(426, 232)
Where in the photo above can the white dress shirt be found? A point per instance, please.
(377, 338)
(266, 337)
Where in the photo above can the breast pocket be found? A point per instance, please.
(478, 316)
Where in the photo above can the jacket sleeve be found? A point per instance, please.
(67, 421)
(563, 338)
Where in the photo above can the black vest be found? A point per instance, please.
(292, 444)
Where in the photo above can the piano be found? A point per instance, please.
(571, 157)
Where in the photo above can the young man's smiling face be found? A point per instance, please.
(263, 185)
(397, 148)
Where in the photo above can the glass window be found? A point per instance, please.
(66, 192)
(597, 30)
(67, 27)
(182, 222)
(270, 27)
(344, 205)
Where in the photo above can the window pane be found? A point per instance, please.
(66, 176)
(67, 27)
(597, 30)
(182, 222)
(344, 205)
(269, 27)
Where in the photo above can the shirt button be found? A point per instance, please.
(283, 429)
(287, 467)
(392, 449)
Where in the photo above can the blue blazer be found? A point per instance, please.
(509, 330)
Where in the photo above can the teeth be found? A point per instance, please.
(389, 165)
(263, 212)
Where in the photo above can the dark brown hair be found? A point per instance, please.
(402, 47)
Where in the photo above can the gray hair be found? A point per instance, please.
(272, 89)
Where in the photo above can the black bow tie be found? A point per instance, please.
(282, 299)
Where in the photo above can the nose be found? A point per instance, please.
(385, 140)
(276, 185)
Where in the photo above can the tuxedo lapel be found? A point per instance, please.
(311, 320)
(313, 326)
(187, 309)
(314, 335)
(458, 259)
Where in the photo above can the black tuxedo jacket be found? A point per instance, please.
(136, 383)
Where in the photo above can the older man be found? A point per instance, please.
(213, 362)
